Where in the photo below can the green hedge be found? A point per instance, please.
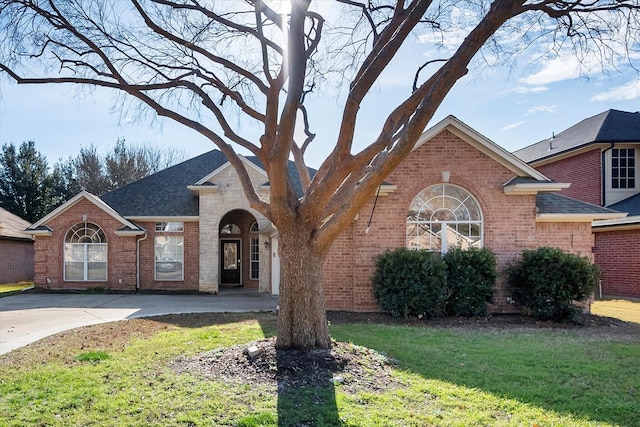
(410, 283)
(424, 284)
(471, 280)
(548, 281)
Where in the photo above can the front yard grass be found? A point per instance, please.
(120, 374)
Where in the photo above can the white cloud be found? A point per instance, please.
(542, 109)
(626, 92)
(555, 70)
(523, 90)
(513, 125)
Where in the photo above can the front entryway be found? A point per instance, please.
(231, 262)
(239, 250)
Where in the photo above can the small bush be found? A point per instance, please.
(410, 283)
(93, 356)
(471, 278)
(547, 281)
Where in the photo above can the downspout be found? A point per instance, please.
(138, 261)
(603, 172)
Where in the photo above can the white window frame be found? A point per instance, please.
(86, 236)
(161, 261)
(430, 204)
(254, 258)
(614, 195)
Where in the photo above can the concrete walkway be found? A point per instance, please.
(26, 318)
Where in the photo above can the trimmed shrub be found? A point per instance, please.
(410, 283)
(471, 279)
(547, 281)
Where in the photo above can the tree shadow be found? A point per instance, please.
(305, 378)
(306, 390)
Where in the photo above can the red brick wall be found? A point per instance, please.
(583, 172)
(49, 251)
(616, 252)
(509, 221)
(121, 257)
(16, 260)
(191, 259)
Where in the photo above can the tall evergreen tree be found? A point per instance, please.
(27, 188)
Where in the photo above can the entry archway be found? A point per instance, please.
(239, 250)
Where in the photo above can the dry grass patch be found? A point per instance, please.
(626, 310)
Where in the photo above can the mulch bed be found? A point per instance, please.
(354, 367)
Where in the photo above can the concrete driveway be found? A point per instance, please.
(26, 318)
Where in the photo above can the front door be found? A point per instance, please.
(230, 261)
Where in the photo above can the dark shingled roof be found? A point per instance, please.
(165, 193)
(630, 205)
(609, 126)
(552, 203)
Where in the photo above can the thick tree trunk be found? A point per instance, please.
(302, 320)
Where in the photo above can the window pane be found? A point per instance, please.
(73, 271)
(169, 257)
(97, 271)
(96, 252)
(230, 229)
(170, 226)
(74, 252)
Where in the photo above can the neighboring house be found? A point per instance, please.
(599, 156)
(16, 249)
(190, 227)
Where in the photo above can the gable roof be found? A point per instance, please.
(167, 193)
(606, 127)
(484, 145)
(40, 228)
(12, 226)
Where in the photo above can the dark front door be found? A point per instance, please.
(230, 261)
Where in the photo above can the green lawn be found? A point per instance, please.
(444, 377)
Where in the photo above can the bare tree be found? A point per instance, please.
(125, 163)
(200, 62)
(130, 162)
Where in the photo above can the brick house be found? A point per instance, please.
(190, 228)
(16, 249)
(599, 157)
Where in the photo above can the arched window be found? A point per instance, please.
(444, 216)
(254, 228)
(230, 229)
(85, 253)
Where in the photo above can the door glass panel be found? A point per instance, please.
(230, 256)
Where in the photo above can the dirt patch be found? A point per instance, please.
(354, 367)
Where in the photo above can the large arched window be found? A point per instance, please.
(85, 253)
(444, 216)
